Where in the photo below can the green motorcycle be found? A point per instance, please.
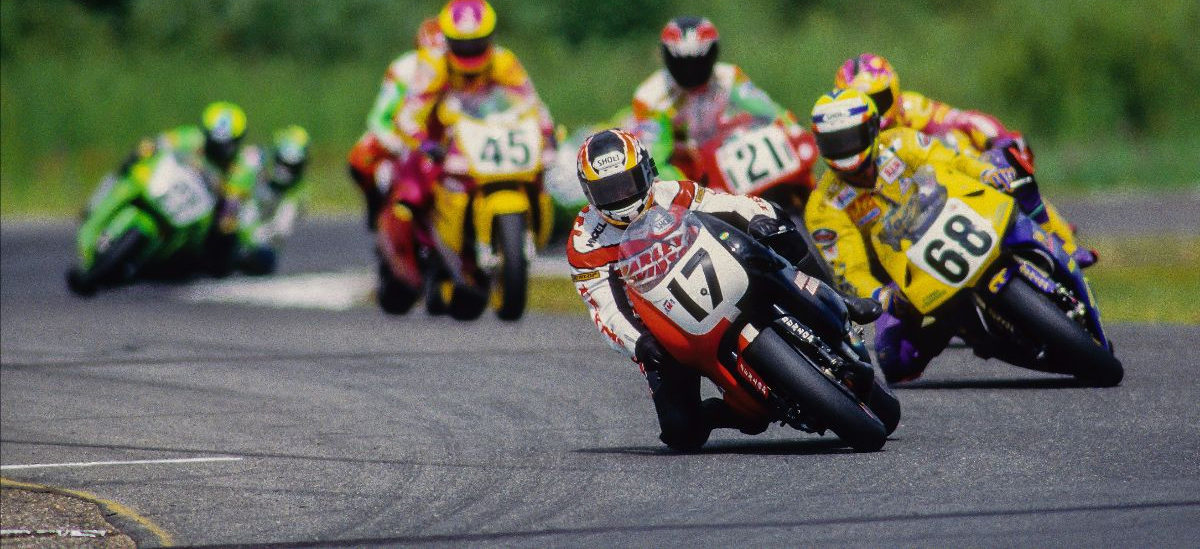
(159, 211)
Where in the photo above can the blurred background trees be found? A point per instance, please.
(1106, 89)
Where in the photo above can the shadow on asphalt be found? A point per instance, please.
(740, 447)
(1006, 383)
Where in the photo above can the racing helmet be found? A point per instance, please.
(467, 26)
(224, 124)
(291, 155)
(429, 35)
(616, 173)
(873, 75)
(845, 123)
(689, 49)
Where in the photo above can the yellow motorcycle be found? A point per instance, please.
(490, 214)
(963, 254)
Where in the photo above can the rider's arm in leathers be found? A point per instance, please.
(839, 240)
(937, 118)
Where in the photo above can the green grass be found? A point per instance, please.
(1147, 279)
(1138, 279)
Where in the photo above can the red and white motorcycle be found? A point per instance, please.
(777, 342)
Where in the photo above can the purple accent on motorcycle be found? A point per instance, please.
(1025, 233)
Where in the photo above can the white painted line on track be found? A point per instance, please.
(329, 291)
(335, 291)
(131, 462)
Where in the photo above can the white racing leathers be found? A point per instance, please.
(592, 251)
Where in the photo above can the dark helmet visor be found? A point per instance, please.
(471, 48)
(619, 190)
(883, 99)
(849, 141)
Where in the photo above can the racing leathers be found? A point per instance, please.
(840, 218)
(980, 134)
(372, 159)
(592, 252)
(270, 210)
(674, 121)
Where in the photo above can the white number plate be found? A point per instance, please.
(756, 157)
(956, 244)
(702, 287)
(500, 150)
(180, 192)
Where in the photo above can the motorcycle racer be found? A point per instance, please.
(680, 106)
(869, 173)
(468, 69)
(620, 180)
(211, 147)
(370, 160)
(272, 184)
(970, 131)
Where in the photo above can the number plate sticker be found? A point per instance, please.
(497, 150)
(956, 245)
(702, 288)
(179, 192)
(756, 157)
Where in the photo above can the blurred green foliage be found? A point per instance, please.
(1106, 89)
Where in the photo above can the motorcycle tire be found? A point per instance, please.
(797, 378)
(395, 297)
(509, 242)
(884, 404)
(112, 266)
(1070, 349)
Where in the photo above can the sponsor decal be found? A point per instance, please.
(1037, 278)
(655, 261)
(750, 376)
(891, 167)
(724, 235)
(610, 161)
(668, 304)
(583, 277)
(799, 329)
(825, 237)
(844, 197)
(997, 282)
(923, 140)
(595, 236)
(863, 210)
(699, 194)
(806, 283)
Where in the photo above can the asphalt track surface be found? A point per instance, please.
(351, 428)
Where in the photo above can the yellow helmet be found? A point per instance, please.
(845, 123)
(874, 76)
(224, 121)
(468, 26)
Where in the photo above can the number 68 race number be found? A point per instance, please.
(956, 244)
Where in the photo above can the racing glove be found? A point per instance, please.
(891, 299)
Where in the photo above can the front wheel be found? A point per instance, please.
(509, 242)
(791, 373)
(112, 266)
(1067, 347)
(395, 297)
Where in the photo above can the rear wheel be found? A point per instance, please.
(798, 379)
(1068, 347)
(112, 266)
(513, 284)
